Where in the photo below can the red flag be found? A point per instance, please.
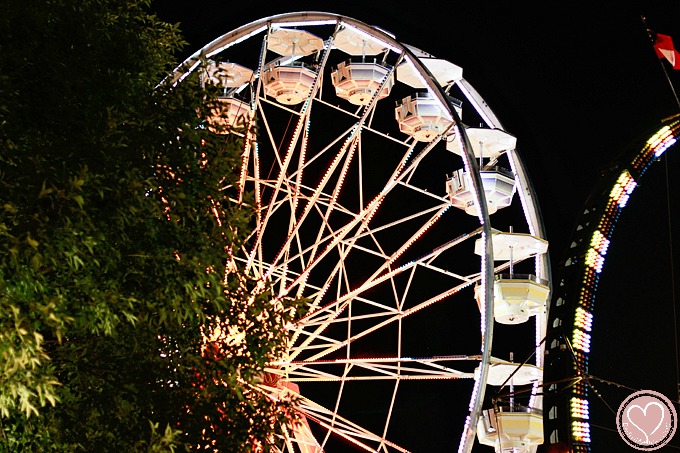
(663, 45)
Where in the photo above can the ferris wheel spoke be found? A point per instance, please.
(330, 318)
(330, 207)
(351, 244)
(385, 273)
(331, 422)
(283, 166)
(348, 149)
(339, 426)
(330, 314)
(314, 198)
(367, 214)
(391, 368)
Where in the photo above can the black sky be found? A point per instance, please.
(577, 83)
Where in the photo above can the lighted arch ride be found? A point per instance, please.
(573, 309)
(373, 199)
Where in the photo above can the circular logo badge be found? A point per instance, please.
(646, 420)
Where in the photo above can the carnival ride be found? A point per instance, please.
(374, 168)
(572, 315)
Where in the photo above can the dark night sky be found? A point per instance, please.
(577, 85)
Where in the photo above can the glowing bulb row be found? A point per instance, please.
(583, 319)
(579, 408)
(581, 340)
(623, 188)
(581, 431)
(594, 260)
(661, 141)
(600, 243)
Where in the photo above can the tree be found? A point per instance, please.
(120, 329)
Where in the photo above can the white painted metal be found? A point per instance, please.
(292, 42)
(518, 297)
(359, 81)
(514, 246)
(509, 373)
(499, 188)
(352, 41)
(486, 143)
(444, 72)
(508, 431)
(228, 113)
(228, 75)
(423, 117)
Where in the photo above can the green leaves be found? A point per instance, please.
(115, 228)
(22, 386)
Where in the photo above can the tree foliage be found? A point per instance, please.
(120, 329)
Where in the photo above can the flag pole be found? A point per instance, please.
(652, 39)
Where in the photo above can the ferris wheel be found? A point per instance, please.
(572, 317)
(373, 195)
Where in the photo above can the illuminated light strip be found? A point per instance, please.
(623, 188)
(342, 304)
(301, 166)
(257, 249)
(579, 408)
(659, 151)
(661, 141)
(595, 255)
(351, 142)
(442, 108)
(594, 260)
(250, 140)
(581, 340)
(584, 319)
(581, 431)
(658, 138)
(600, 243)
(302, 124)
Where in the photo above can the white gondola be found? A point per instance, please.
(499, 189)
(422, 116)
(499, 184)
(353, 42)
(290, 81)
(227, 74)
(227, 113)
(290, 42)
(359, 81)
(516, 429)
(505, 373)
(517, 297)
(511, 427)
(290, 84)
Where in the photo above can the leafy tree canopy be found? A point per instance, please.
(119, 328)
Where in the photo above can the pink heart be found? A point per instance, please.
(647, 423)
